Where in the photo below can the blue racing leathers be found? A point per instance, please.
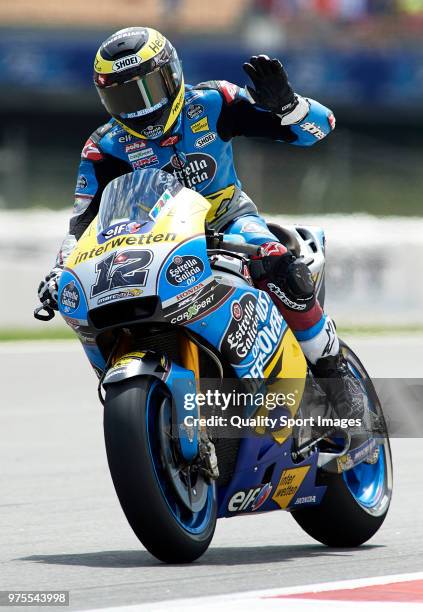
(198, 152)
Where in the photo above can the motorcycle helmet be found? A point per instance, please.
(139, 79)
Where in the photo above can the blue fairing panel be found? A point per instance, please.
(71, 298)
(265, 479)
(186, 267)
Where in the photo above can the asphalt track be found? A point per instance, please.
(61, 526)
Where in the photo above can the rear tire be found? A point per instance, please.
(338, 521)
(136, 461)
(356, 502)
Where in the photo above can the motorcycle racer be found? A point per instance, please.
(159, 121)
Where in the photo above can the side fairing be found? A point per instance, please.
(250, 333)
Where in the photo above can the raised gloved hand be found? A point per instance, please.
(272, 88)
(273, 91)
(48, 288)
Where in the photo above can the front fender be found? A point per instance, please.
(179, 381)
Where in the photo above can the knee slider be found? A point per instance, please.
(299, 280)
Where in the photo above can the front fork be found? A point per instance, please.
(191, 361)
(181, 380)
(190, 356)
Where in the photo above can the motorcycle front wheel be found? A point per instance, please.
(170, 507)
(357, 501)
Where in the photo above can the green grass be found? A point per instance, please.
(63, 333)
(379, 330)
(52, 333)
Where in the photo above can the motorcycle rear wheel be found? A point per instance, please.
(135, 412)
(356, 502)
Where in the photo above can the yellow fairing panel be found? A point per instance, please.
(183, 218)
(220, 201)
(288, 369)
(289, 483)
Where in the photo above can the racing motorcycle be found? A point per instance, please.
(162, 306)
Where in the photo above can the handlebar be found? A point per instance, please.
(217, 241)
(239, 247)
(48, 309)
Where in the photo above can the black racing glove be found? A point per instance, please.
(272, 88)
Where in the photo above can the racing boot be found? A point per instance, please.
(347, 399)
(340, 386)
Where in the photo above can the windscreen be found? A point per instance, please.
(137, 197)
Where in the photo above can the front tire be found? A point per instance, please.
(135, 413)
(356, 502)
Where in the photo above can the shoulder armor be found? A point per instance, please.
(91, 148)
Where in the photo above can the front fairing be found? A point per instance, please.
(147, 240)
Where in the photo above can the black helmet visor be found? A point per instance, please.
(142, 96)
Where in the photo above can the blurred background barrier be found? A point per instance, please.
(373, 266)
(362, 58)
